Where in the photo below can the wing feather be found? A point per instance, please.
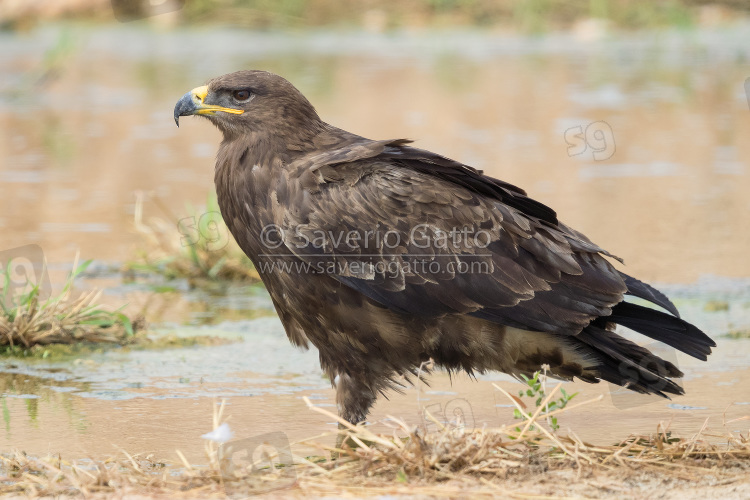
(529, 272)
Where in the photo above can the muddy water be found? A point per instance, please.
(159, 401)
(638, 142)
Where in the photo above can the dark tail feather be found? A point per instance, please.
(626, 364)
(645, 291)
(660, 326)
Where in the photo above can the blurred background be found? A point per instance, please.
(630, 118)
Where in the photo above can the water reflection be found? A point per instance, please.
(25, 397)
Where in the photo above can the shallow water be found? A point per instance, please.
(657, 173)
(157, 401)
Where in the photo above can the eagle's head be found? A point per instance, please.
(250, 102)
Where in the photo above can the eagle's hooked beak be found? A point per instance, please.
(193, 103)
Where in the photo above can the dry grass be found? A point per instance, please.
(72, 325)
(452, 462)
(28, 320)
(197, 248)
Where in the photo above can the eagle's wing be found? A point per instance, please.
(431, 239)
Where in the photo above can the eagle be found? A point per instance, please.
(385, 257)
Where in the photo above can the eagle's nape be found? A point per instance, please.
(549, 295)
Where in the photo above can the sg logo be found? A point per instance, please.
(598, 136)
(208, 230)
(623, 398)
(22, 268)
(457, 414)
(267, 456)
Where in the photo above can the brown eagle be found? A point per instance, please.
(385, 256)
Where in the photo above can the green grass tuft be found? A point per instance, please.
(198, 248)
(27, 320)
(535, 389)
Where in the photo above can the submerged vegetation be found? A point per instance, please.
(738, 333)
(530, 462)
(197, 248)
(139, 341)
(716, 306)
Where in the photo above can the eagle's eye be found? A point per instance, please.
(241, 95)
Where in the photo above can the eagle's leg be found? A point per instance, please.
(354, 398)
